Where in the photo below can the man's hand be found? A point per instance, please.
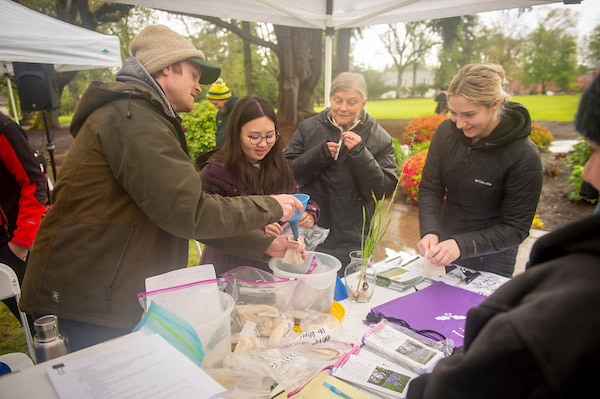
(273, 229)
(19, 251)
(444, 253)
(427, 243)
(281, 244)
(290, 205)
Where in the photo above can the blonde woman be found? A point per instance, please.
(483, 176)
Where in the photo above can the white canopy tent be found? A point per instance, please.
(29, 36)
(331, 15)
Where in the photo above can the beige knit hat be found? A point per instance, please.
(157, 47)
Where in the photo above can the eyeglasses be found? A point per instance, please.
(256, 139)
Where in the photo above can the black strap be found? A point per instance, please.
(373, 318)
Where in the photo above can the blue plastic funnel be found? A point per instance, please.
(294, 220)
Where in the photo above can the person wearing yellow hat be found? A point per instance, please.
(128, 198)
(224, 100)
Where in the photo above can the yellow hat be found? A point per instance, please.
(218, 91)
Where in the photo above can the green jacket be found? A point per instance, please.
(125, 204)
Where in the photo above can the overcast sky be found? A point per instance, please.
(369, 53)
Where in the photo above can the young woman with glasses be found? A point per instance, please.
(251, 162)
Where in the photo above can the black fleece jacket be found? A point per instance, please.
(537, 335)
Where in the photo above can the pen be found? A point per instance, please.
(335, 390)
(337, 153)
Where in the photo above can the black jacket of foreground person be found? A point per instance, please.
(537, 336)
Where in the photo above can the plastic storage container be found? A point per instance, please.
(215, 334)
(314, 290)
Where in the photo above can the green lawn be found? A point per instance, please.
(542, 108)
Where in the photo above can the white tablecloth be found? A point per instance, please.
(33, 382)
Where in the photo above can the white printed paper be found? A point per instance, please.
(377, 376)
(145, 368)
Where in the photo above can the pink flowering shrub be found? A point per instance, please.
(421, 129)
(411, 176)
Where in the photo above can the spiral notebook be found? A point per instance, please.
(439, 307)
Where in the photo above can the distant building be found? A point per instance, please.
(423, 76)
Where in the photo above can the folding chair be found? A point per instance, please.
(9, 287)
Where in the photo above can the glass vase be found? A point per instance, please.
(359, 278)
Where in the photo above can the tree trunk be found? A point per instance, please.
(300, 67)
(399, 83)
(414, 82)
(300, 54)
(342, 51)
(288, 80)
(309, 64)
(51, 120)
(248, 61)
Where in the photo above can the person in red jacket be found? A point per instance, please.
(23, 194)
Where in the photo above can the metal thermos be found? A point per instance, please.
(48, 342)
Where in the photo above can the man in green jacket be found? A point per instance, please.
(128, 198)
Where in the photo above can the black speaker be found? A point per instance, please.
(36, 84)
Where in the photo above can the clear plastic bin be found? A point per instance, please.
(215, 334)
(315, 290)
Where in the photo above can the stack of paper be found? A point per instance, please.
(401, 348)
(398, 278)
(147, 367)
(373, 373)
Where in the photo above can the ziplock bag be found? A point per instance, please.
(243, 384)
(312, 236)
(175, 330)
(290, 366)
(194, 302)
(262, 298)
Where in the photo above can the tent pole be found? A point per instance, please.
(329, 32)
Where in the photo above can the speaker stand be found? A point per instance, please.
(49, 146)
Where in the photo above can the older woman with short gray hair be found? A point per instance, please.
(341, 157)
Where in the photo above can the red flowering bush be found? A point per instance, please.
(541, 136)
(411, 176)
(422, 129)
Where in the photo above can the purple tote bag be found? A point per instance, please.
(439, 307)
